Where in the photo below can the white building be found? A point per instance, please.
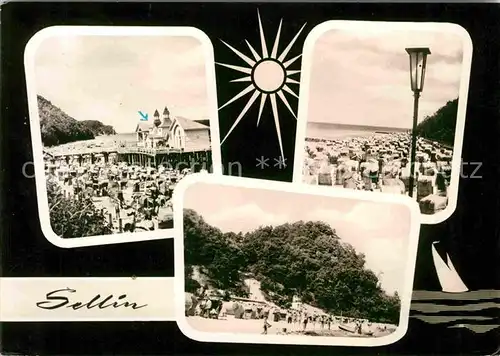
(173, 132)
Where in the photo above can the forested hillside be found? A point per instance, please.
(307, 259)
(57, 127)
(441, 125)
(98, 128)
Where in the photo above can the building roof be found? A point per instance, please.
(165, 111)
(187, 124)
(205, 122)
(166, 123)
(143, 126)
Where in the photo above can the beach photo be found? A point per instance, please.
(119, 115)
(382, 109)
(271, 262)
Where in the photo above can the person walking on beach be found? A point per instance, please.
(358, 327)
(295, 320)
(266, 326)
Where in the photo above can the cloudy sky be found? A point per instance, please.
(380, 231)
(111, 78)
(362, 77)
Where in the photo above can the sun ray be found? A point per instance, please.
(289, 62)
(254, 52)
(262, 103)
(244, 79)
(290, 91)
(287, 49)
(266, 77)
(283, 99)
(262, 38)
(245, 91)
(276, 41)
(243, 112)
(249, 61)
(237, 68)
(292, 81)
(276, 121)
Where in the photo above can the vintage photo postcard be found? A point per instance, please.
(382, 109)
(119, 115)
(274, 262)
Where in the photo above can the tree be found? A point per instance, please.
(72, 218)
(191, 285)
(441, 125)
(307, 259)
(57, 127)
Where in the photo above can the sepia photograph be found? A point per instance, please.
(274, 262)
(119, 115)
(382, 109)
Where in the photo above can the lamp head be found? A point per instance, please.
(418, 62)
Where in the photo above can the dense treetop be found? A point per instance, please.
(441, 125)
(307, 259)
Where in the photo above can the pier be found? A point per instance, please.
(140, 156)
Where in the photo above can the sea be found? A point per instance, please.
(478, 310)
(121, 137)
(340, 131)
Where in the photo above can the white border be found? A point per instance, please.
(29, 62)
(374, 26)
(405, 295)
(19, 296)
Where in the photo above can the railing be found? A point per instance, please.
(150, 151)
(121, 148)
(82, 151)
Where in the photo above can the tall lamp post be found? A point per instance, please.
(418, 61)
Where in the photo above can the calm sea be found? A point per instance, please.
(339, 131)
(478, 310)
(128, 137)
(101, 141)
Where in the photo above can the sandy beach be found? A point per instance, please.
(380, 162)
(229, 324)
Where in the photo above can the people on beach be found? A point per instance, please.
(305, 320)
(266, 326)
(119, 190)
(381, 162)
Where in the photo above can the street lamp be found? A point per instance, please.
(418, 61)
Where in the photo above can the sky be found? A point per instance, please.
(379, 230)
(363, 78)
(111, 78)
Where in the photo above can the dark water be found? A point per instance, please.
(478, 311)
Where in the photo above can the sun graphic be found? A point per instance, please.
(268, 77)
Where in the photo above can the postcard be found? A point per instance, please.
(382, 108)
(119, 115)
(273, 262)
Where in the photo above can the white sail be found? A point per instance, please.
(459, 280)
(447, 275)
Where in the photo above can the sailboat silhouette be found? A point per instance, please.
(448, 277)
